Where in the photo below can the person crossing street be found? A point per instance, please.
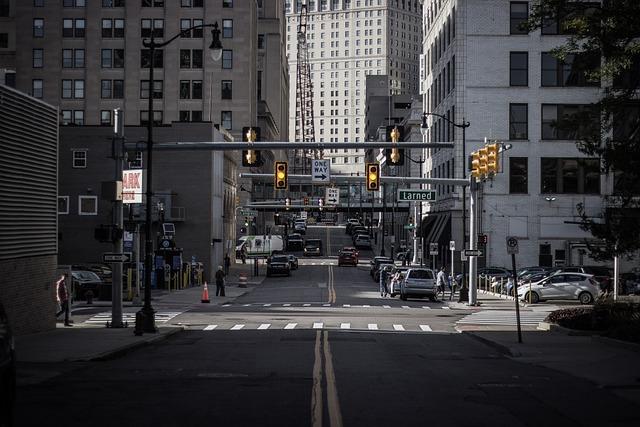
(62, 295)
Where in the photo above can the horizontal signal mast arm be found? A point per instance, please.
(284, 145)
(383, 179)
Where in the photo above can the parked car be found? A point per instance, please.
(603, 275)
(630, 283)
(84, 281)
(348, 255)
(7, 371)
(313, 247)
(418, 282)
(376, 261)
(300, 228)
(293, 262)
(278, 264)
(362, 241)
(295, 242)
(359, 229)
(351, 222)
(559, 286)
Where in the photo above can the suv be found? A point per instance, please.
(295, 242)
(278, 264)
(348, 255)
(313, 247)
(362, 241)
(418, 282)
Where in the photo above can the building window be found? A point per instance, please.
(152, 3)
(152, 26)
(144, 117)
(227, 119)
(191, 58)
(105, 118)
(63, 205)
(105, 89)
(227, 3)
(38, 58)
(519, 15)
(136, 162)
(107, 28)
(78, 58)
(196, 116)
(227, 59)
(118, 58)
(518, 121)
(227, 28)
(113, 28)
(570, 72)
(4, 40)
(78, 89)
(158, 58)
(36, 88)
(79, 159)
(74, 3)
(227, 89)
(518, 175)
(78, 117)
(191, 3)
(112, 89)
(79, 26)
(66, 117)
(67, 89)
(519, 69)
(157, 89)
(113, 3)
(106, 60)
(87, 205)
(38, 27)
(570, 175)
(261, 41)
(557, 121)
(184, 115)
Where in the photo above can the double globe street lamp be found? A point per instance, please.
(145, 318)
(464, 291)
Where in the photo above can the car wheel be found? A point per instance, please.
(585, 298)
(403, 297)
(533, 297)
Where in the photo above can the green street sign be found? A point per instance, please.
(409, 227)
(408, 195)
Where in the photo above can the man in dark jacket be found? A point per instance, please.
(220, 282)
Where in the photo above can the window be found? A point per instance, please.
(113, 3)
(558, 121)
(36, 88)
(38, 27)
(519, 15)
(227, 89)
(106, 60)
(226, 119)
(260, 41)
(79, 27)
(570, 176)
(78, 89)
(36, 3)
(554, 25)
(190, 89)
(570, 72)
(157, 89)
(191, 3)
(144, 117)
(113, 28)
(629, 78)
(196, 116)
(185, 24)
(78, 117)
(184, 115)
(519, 69)
(74, 3)
(79, 159)
(67, 28)
(105, 118)
(67, 58)
(38, 58)
(66, 117)
(227, 28)
(112, 89)
(518, 121)
(145, 57)
(191, 58)
(152, 26)
(152, 3)
(63, 205)
(196, 33)
(118, 58)
(227, 3)
(66, 89)
(107, 28)
(105, 89)
(518, 175)
(87, 205)
(227, 58)
(4, 40)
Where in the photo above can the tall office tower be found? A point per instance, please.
(348, 40)
(479, 66)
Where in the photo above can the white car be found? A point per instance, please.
(560, 286)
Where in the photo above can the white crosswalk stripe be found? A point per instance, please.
(264, 326)
(286, 305)
(503, 317)
(266, 305)
(426, 328)
(291, 326)
(160, 317)
(398, 327)
(426, 307)
(237, 327)
(345, 325)
(210, 327)
(405, 306)
(373, 326)
(386, 306)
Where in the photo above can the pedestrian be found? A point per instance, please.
(452, 285)
(243, 255)
(62, 295)
(227, 264)
(441, 280)
(220, 282)
(383, 282)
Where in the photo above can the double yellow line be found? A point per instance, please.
(322, 348)
(331, 287)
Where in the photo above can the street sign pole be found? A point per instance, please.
(116, 276)
(473, 242)
(512, 248)
(452, 248)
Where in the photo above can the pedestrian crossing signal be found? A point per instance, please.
(373, 176)
(281, 175)
(251, 157)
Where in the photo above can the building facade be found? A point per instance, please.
(347, 41)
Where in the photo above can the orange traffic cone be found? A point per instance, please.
(205, 294)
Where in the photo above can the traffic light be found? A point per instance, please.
(493, 154)
(287, 203)
(483, 162)
(394, 156)
(281, 175)
(373, 176)
(475, 164)
(246, 221)
(251, 157)
(482, 239)
(306, 201)
(320, 203)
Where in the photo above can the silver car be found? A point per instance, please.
(577, 286)
(418, 282)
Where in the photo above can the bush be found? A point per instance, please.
(572, 318)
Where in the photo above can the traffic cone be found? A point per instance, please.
(205, 294)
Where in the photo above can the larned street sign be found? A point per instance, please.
(408, 195)
(248, 212)
(320, 170)
(512, 245)
(115, 257)
(332, 196)
(473, 252)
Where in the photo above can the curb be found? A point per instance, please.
(616, 343)
(121, 351)
(503, 349)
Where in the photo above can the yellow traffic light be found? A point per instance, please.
(475, 164)
(373, 176)
(251, 157)
(281, 175)
(483, 162)
(493, 157)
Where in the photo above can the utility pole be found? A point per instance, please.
(473, 240)
(116, 276)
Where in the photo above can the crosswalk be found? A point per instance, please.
(503, 318)
(435, 306)
(104, 317)
(371, 327)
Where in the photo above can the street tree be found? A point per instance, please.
(602, 48)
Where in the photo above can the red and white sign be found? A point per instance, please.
(132, 186)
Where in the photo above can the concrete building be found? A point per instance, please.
(479, 67)
(349, 40)
(28, 218)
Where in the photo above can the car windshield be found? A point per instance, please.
(313, 243)
(85, 275)
(279, 259)
(420, 274)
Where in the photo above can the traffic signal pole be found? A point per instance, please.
(473, 241)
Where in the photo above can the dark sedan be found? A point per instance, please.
(278, 264)
(349, 256)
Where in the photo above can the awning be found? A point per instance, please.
(438, 227)
(427, 224)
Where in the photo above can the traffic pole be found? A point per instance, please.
(515, 287)
(473, 242)
(116, 276)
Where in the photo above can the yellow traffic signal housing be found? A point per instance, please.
(281, 175)
(493, 157)
(475, 164)
(394, 156)
(483, 162)
(373, 176)
(251, 157)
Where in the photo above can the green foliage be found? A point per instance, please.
(616, 320)
(611, 129)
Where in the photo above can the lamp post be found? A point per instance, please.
(464, 291)
(145, 318)
(417, 214)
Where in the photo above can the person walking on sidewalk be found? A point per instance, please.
(227, 264)
(220, 282)
(62, 295)
(383, 282)
(441, 280)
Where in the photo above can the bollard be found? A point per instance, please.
(89, 296)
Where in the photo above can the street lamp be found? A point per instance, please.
(145, 318)
(464, 292)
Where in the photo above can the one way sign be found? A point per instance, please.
(320, 170)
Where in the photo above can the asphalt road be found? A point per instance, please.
(319, 348)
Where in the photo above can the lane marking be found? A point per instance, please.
(286, 305)
(210, 327)
(386, 306)
(345, 325)
(333, 402)
(398, 327)
(326, 305)
(246, 305)
(226, 305)
(346, 305)
(446, 308)
(264, 326)
(306, 305)
(373, 326)
(426, 307)
(266, 305)
(405, 306)
(291, 326)
(366, 306)
(426, 328)
(317, 325)
(316, 391)
(237, 327)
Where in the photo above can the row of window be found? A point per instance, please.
(554, 118)
(143, 3)
(87, 205)
(572, 71)
(557, 175)
(76, 118)
(519, 14)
